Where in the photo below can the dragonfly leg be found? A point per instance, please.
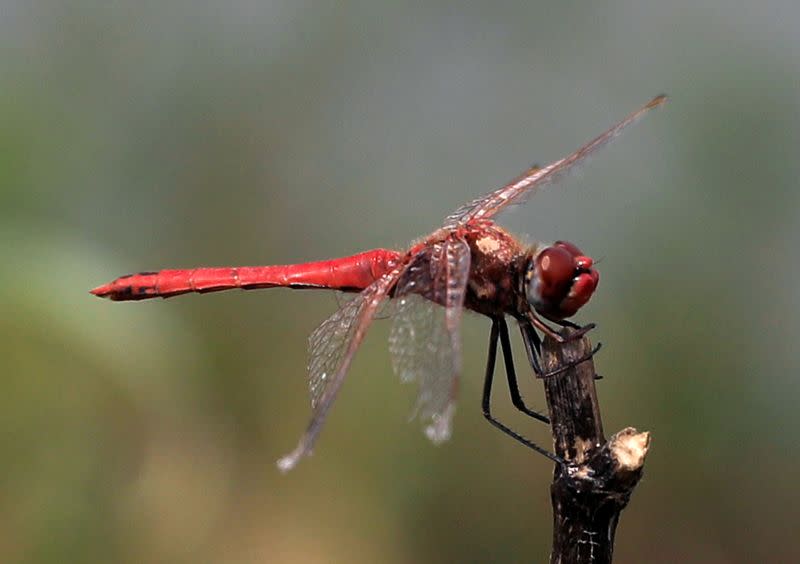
(581, 330)
(533, 346)
(511, 374)
(487, 396)
(567, 323)
(573, 363)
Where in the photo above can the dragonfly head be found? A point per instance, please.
(559, 280)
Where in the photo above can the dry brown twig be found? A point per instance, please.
(588, 493)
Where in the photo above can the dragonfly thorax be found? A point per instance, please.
(559, 280)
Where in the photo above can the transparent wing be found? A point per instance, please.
(490, 204)
(425, 342)
(385, 311)
(332, 347)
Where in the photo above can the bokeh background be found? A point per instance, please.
(146, 135)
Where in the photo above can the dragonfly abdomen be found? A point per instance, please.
(353, 273)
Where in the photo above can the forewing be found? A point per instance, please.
(490, 204)
(331, 349)
(425, 341)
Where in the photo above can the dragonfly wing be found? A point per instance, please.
(331, 348)
(385, 311)
(425, 341)
(534, 178)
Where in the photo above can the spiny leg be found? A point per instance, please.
(511, 374)
(574, 363)
(571, 325)
(547, 330)
(567, 323)
(486, 403)
(533, 347)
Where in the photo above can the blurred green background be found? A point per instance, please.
(146, 135)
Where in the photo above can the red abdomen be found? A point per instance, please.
(349, 274)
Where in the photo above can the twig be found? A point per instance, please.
(588, 493)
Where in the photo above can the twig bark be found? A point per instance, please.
(588, 493)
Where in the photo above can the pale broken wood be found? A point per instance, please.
(588, 493)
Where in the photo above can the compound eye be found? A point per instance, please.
(561, 280)
(569, 247)
(556, 269)
(582, 262)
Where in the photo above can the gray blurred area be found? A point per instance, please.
(147, 135)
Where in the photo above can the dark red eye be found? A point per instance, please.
(561, 281)
(556, 267)
(581, 260)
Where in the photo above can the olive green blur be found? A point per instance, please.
(147, 135)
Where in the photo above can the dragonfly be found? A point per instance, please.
(469, 263)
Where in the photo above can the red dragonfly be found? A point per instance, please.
(470, 262)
